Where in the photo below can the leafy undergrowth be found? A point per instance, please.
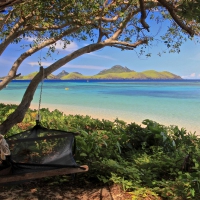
(151, 162)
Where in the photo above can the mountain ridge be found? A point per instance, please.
(115, 69)
(117, 72)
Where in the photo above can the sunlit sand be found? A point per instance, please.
(111, 115)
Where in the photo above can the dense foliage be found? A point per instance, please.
(157, 160)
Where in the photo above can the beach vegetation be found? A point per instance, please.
(119, 24)
(153, 160)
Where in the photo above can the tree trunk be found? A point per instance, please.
(18, 115)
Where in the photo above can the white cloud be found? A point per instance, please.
(93, 67)
(59, 45)
(69, 66)
(6, 61)
(195, 57)
(44, 64)
(101, 56)
(191, 76)
(69, 47)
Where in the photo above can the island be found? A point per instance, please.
(116, 72)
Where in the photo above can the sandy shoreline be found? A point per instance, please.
(111, 115)
(92, 112)
(77, 110)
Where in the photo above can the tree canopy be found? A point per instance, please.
(123, 24)
(7, 3)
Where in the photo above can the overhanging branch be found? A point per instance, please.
(7, 3)
(176, 18)
(127, 45)
(143, 15)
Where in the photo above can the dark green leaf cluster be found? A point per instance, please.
(190, 9)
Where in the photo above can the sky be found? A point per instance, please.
(185, 64)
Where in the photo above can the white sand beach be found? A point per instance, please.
(112, 115)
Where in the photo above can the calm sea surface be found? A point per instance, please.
(166, 102)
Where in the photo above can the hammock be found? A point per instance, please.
(39, 152)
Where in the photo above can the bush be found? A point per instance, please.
(147, 160)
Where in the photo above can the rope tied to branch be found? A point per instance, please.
(38, 117)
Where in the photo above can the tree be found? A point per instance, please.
(6, 3)
(46, 24)
(121, 24)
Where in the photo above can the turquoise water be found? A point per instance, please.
(167, 102)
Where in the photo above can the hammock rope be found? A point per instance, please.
(38, 117)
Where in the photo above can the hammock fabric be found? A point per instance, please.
(40, 151)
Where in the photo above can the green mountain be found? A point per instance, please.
(73, 76)
(114, 69)
(61, 74)
(150, 74)
(117, 72)
(30, 76)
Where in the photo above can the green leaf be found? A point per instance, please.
(83, 155)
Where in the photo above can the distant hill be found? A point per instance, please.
(30, 76)
(150, 74)
(114, 69)
(73, 76)
(61, 74)
(116, 72)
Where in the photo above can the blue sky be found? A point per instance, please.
(185, 64)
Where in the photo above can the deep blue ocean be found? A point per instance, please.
(166, 102)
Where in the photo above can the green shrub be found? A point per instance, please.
(147, 160)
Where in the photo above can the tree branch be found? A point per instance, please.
(7, 3)
(143, 15)
(130, 15)
(5, 19)
(14, 33)
(176, 18)
(106, 19)
(128, 46)
(52, 27)
(12, 73)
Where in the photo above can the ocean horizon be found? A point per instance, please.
(168, 102)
